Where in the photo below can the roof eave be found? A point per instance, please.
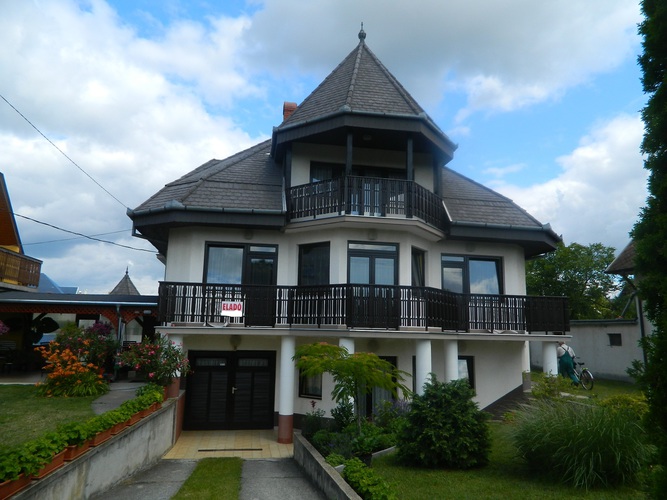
(535, 240)
(363, 119)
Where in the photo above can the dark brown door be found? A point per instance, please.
(230, 390)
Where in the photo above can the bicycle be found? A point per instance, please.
(584, 375)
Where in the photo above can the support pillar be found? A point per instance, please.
(423, 364)
(451, 360)
(347, 343)
(549, 358)
(286, 401)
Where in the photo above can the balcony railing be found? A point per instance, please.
(361, 306)
(367, 196)
(18, 269)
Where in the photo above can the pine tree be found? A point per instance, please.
(650, 232)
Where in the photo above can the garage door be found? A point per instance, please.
(230, 390)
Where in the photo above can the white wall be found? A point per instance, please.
(590, 341)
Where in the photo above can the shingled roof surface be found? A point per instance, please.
(360, 83)
(247, 180)
(468, 201)
(625, 262)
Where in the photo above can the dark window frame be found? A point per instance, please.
(307, 246)
(464, 265)
(304, 386)
(249, 252)
(372, 253)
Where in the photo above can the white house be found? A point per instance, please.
(345, 227)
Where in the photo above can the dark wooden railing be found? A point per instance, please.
(18, 269)
(369, 196)
(361, 306)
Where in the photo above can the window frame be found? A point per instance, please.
(464, 265)
(249, 251)
(304, 386)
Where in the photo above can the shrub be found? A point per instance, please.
(585, 446)
(366, 482)
(550, 386)
(391, 415)
(635, 406)
(445, 428)
(68, 375)
(313, 421)
(343, 415)
(334, 459)
(371, 439)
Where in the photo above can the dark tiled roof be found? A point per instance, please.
(125, 286)
(625, 262)
(360, 83)
(467, 201)
(247, 180)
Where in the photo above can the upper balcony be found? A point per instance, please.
(18, 270)
(368, 196)
(361, 306)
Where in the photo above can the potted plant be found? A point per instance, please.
(99, 428)
(12, 478)
(43, 455)
(76, 436)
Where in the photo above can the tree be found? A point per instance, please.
(650, 231)
(354, 374)
(577, 272)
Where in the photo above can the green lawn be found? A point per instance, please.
(24, 415)
(214, 479)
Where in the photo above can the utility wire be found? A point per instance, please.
(70, 239)
(83, 235)
(62, 152)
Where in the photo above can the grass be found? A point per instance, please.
(24, 415)
(214, 479)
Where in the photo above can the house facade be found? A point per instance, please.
(345, 227)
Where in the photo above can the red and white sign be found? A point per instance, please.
(229, 308)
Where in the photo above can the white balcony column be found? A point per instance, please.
(451, 360)
(286, 390)
(525, 360)
(347, 343)
(177, 339)
(549, 358)
(423, 364)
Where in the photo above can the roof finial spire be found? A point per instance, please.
(362, 33)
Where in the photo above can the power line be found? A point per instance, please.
(83, 235)
(70, 239)
(62, 152)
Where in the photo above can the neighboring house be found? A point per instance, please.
(131, 315)
(17, 270)
(345, 227)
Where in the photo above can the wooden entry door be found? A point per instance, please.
(230, 390)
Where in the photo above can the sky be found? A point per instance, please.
(104, 102)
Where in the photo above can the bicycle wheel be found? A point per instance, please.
(586, 380)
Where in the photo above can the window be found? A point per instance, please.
(462, 274)
(241, 264)
(467, 369)
(372, 263)
(418, 267)
(314, 264)
(310, 387)
(615, 339)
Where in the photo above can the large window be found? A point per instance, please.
(241, 264)
(314, 264)
(464, 274)
(373, 263)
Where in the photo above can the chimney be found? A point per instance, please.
(288, 109)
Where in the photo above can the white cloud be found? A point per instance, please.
(600, 189)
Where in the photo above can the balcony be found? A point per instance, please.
(19, 270)
(368, 196)
(361, 306)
